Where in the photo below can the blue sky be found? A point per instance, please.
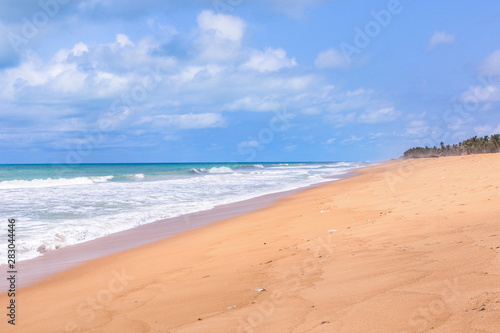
(238, 80)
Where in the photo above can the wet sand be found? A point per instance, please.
(408, 246)
(52, 262)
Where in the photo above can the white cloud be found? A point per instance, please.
(362, 105)
(331, 58)
(311, 110)
(222, 26)
(441, 37)
(483, 130)
(377, 135)
(488, 91)
(110, 84)
(249, 144)
(190, 73)
(123, 40)
(159, 91)
(379, 116)
(83, 72)
(79, 49)
(254, 104)
(486, 130)
(418, 128)
(220, 36)
(330, 141)
(484, 94)
(269, 61)
(352, 139)
(185, 121)
(55, 76)
(352, 100)
(460, 124)
(340, 119)
(491, 65)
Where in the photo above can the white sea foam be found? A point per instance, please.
(49, 182)
(53, 213)
(136, 176)
(220, 170)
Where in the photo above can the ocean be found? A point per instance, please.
(59, 205)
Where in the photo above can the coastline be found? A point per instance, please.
(55, 261)
(404, 246)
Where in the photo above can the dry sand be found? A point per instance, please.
(407, 246)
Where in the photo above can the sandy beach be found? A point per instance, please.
(407, 246)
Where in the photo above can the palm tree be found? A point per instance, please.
(495, 143)
(476, 145)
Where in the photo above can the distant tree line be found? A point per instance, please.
(474, 145)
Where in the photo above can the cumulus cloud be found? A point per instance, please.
(134, 83)
(270, 60)
(59, 76)
(221, 35)
(222, 26)
(123, 40)
(440, 37)
(83, 72)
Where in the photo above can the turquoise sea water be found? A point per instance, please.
(59, 205)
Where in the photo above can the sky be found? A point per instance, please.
(108, 81)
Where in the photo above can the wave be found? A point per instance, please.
(50, 182)
(226, 169)
(248, 166)
(197, 170)
(76, 214)
(260, 166)
(214, 170)
(137, 176)
(219, 170)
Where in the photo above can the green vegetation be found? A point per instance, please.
(474, 145)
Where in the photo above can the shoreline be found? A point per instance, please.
(51, 262)
(407, 246)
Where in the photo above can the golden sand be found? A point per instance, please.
(407, 246)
